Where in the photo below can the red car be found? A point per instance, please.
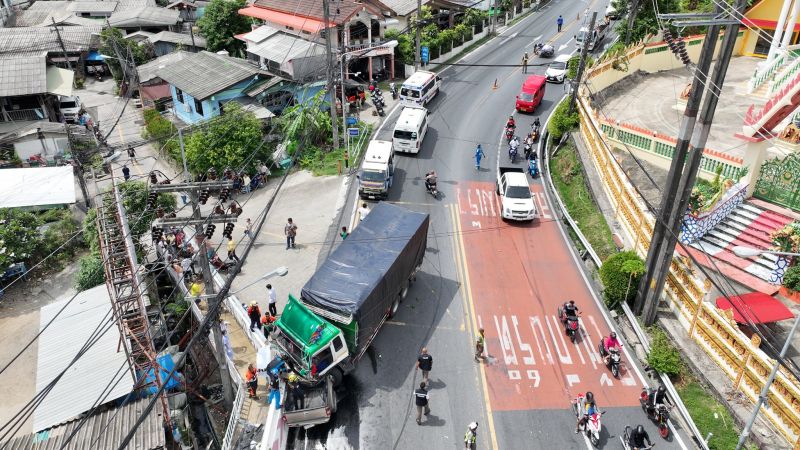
(532, 93)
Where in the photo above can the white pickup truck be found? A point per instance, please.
(515, 194)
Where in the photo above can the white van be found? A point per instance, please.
(420, 88)
(377, 171)
(410, 129)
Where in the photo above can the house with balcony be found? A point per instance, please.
(202, 83)
(284, 54)
(353, 24)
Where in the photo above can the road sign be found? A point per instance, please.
(424, 54)
(352, 131)
(351, 121)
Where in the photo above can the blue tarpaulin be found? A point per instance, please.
(167, 365)
(94, 56)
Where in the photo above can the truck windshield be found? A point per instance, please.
(292, 349)
(369, 175)
(518, 192)
(581, 36)
(407, 135)
(67, 105)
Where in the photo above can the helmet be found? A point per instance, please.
(510, 117)
(662, 389)
(572, 302)
(473, 426)
(639, 429)
(613, 335)
(589, 397)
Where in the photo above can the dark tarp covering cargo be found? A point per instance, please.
(366, 273)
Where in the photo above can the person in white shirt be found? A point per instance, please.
(273, 300)
(362, 212)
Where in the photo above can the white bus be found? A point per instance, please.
(410, 129)
(420, 88)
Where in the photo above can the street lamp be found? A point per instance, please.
(389, 44)
(746, 252)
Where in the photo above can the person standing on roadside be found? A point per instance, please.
(126, 172)
(290, 230)
(363, 212)
(471, 437)
(248, 229)
(132, 154)
(421, 396)
(344, 233)
(479, 345)
(254, 313)
(272, 297)
(425, 364)
(232, 249)
(560, 23)
(525, 63)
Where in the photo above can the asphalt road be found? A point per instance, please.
(480, 271)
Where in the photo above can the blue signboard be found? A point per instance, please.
(424, 54)
(351, 121)
(352, 131)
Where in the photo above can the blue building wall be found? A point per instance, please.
(210, 106)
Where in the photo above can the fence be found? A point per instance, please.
(716, 332)
(663, 147)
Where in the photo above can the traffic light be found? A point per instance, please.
(203, 197)
(156, 233)
(151, 200)
(210, 230)
(224, 194)
(228, 231)
(153, 178)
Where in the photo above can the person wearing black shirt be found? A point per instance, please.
(637, 438)
(425, 364)
(421, 397)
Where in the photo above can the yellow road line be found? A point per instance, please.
(463, 274)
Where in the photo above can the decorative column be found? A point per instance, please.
(369, 43)
(789, 31)
(776, 37)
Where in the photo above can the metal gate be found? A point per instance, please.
(779, 182)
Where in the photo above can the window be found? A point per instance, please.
(337, 344)
(221, 108)
(179, 95)
(407, 135)
(198, 106)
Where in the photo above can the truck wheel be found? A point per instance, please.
(337, 376)
(497, 188)
(395, 307)
(404, 291)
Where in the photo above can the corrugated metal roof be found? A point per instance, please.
(203, 74)
(88, 378)
(102, 431)
(282, 47)
(23, 74)
(144, 16)
(37, 39)
(150, 70)
(92, 7)
(403, 7)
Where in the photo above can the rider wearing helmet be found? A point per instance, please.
(536, 125)
(610, 342)
(511, 124)
(586, 406)
(637, 438)
(430, 180)
(657, 397)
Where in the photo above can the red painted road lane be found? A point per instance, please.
(519, 274)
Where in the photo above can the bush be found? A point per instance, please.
(663, 356)
(791, 279)
(90, 272)
(574, 62)
(90, 235)
(561, 121)
(620, 274)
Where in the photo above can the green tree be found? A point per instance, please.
(19, 237)
(620, 274)
(226, 141)
(561, 121)
(645, 22)
(113, 43)
(404, 52)
(90, 272)
(90, 235)
(307, 123)
(221, 22)
(663, 356)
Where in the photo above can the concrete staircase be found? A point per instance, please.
(777, 100)
(750, 226)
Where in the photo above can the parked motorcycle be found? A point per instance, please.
(612, 358)
(659, 413)
(379, 108)
(592, 426)
(626, 439)
(393, 90)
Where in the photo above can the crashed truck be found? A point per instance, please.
(342, 308)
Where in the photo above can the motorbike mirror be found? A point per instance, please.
(358, 177)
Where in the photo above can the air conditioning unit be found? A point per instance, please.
(186, 108)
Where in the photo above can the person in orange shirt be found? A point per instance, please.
(252, 381)
(267, 321)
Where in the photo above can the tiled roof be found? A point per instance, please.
(23, 74)
(144, 16)
(203, 74)
(150, 70)
(313, 8)
(38, 39)
(102, 431)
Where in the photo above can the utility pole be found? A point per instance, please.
(584, 51)
(417, 59)
(493, 19)
(669, 216)
(631, 17)
(195, 190)
(61, 43)
(330, 74)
